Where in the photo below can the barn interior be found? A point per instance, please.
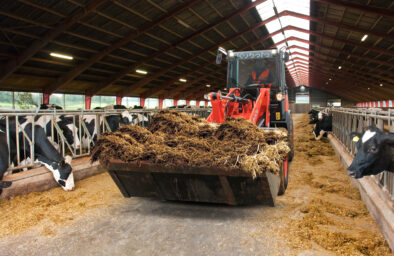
(149, 55)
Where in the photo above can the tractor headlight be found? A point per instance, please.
(279, 96)
(273, 52)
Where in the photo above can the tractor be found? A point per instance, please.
(256, 91)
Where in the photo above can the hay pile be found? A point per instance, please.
(177, 139)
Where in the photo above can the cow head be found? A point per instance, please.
(126, 117)
(62, 172)
(374, 152)
(320, 116)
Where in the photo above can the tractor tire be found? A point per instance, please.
(291, 140)
(284, 176)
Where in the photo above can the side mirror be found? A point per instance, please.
(286, 57)
(219, 57)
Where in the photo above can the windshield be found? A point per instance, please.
(252, 71)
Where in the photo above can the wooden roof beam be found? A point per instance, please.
(363, 8)
(132, 67)
(373, 74)
(13, 64)
(339, 40)
(69, 76)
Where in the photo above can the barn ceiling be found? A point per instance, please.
(110, 40)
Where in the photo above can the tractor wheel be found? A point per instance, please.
(291, 140)
(284, 176)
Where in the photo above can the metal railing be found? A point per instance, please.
(79, 130)
(347, 120)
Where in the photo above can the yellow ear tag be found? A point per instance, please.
(355, 138)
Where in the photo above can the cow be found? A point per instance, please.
(44, 151)
(140, 119)
(375, 152)
(322, 125)
(113, 120)
(313, 114)
(4, 155)
(65, 123)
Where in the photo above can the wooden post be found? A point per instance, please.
(175, 102)
(187, 102)
(160, 103)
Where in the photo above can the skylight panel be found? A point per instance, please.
(266, 11)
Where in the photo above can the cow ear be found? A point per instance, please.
(355, 136)
(387, 138)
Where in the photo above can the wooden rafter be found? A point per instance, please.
(13, 64)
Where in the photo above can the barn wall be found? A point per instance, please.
(317, 98)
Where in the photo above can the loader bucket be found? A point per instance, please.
(206, 185)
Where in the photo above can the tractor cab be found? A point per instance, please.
(256, 88)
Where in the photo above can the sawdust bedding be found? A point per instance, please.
(44, 210)
(322, 210)
(177, 139)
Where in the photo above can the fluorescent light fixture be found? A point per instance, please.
(224, 89)
(330, 79)
(369, 88)
(183, 80)
(208, 85)
(380, 85)
(62, 56)
(339, 67)
(140, 71)
(364, 37)
(183, 23)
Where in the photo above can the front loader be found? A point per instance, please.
(263, 102)
(257, 92)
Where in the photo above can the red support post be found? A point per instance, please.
(206, 103)
(45, 98)
(197, 103)
(88, 101)
(175, 102)
(187, 102)
(160, 103)
(119, 100)
(142, 102)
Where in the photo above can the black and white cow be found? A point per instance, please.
(114, 121)
(44, 151)
(65, 123)
(375, 152)
(4, 154)
(140, 119)
(322, 125)
(313, 114)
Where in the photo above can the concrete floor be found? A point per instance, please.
(152, 227)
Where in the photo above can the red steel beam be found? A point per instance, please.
(69, 76)
(388, 52)
(363, 8)
(292, 38)
(112, 79)
(336, 24)
(373, 74)
(13, 64)
(143, 82)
